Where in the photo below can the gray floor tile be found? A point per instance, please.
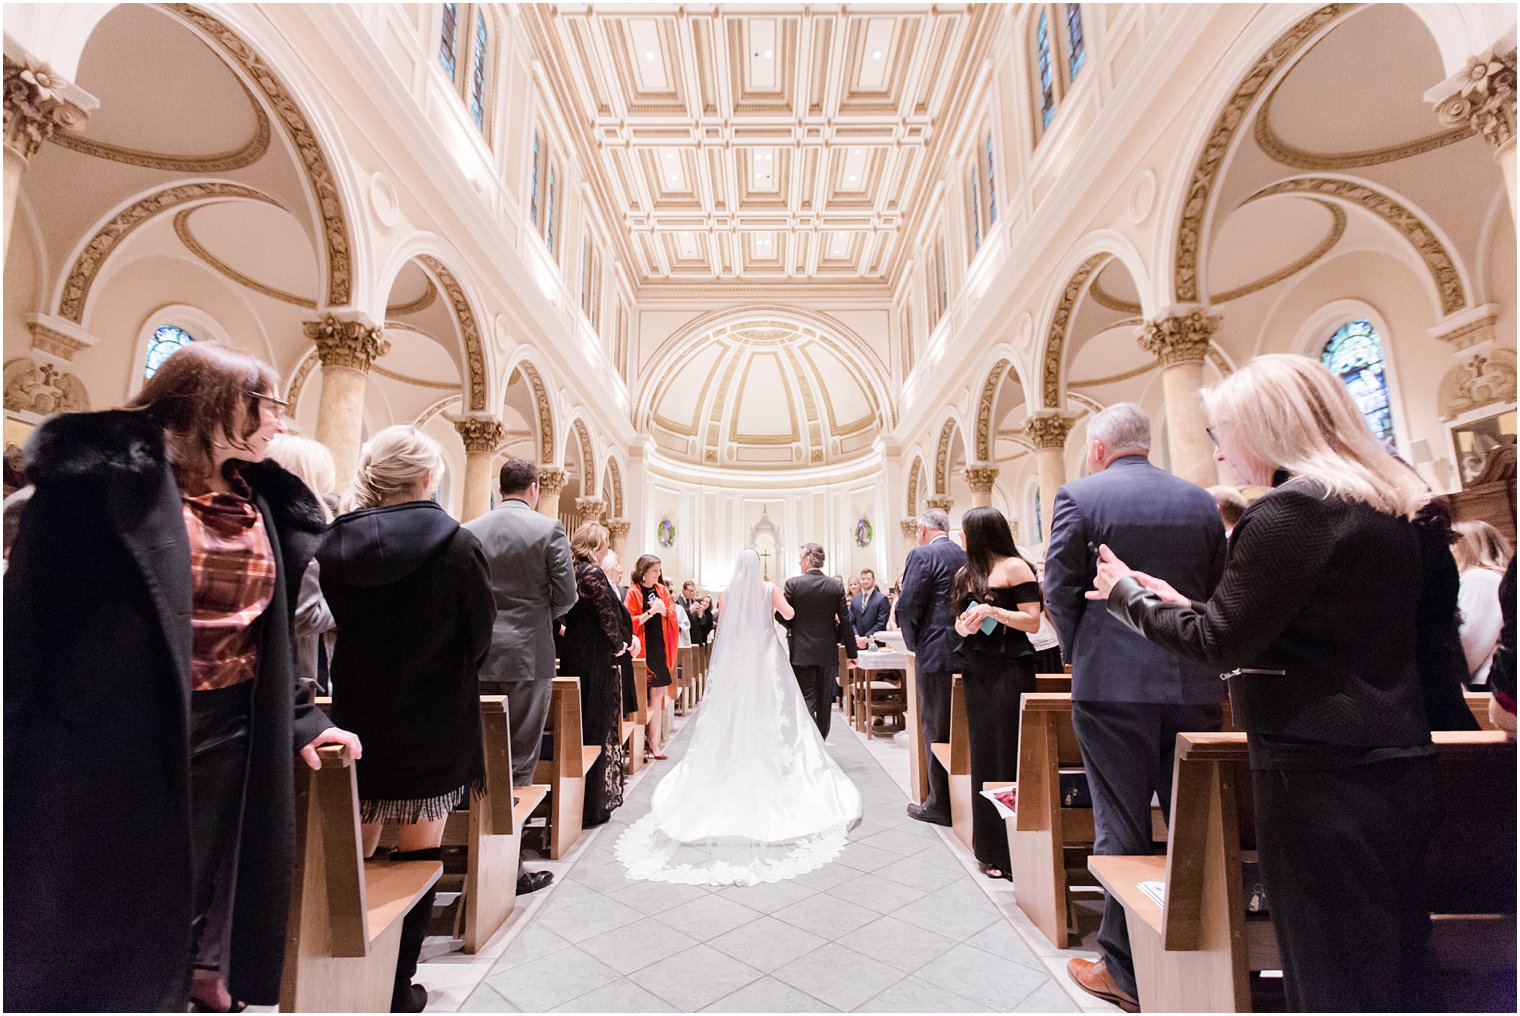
(487, 999)
(603, 875)
(708, 917)
(571, 889)
(767, 943)
(864, 857)
(769, 995)
(636, 946)
(898, 943)
(826, 916)
(536, 941)
(1049, 997)
(905, 840)
(654, 898)
(975, 974)
(870, 826)
(920, 875)
(839, 976)
(619, 996)
(552, 980)
(697, 977)
(876, 893)
(947, 917)
(936, 853)
(1001, 940)
(914, 995)
(820, 879)
(578, 920)
(768, 897)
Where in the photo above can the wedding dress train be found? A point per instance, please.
(756, 797)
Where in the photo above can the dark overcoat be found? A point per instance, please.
(97, 702)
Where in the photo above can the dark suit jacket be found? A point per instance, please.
(869, 613)
(924, 611)
(822, 621)
(1155, 523)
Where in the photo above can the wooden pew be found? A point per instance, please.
(345, 912)
(565, 772)
(1197, 950)
(955, 758)
(635, 724)
(686, 679)
(1477, 702)
(1052, 682)
(918, 751)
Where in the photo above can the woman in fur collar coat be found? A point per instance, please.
(152, 708)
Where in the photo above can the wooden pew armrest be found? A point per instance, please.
(528, 798)
(589, 754)
(941, 752)
(1121, 875)
(391, 889)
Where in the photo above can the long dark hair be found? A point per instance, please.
(987, 538)
(195, 395)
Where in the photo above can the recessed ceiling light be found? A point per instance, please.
(767, 54)
(876, 55)
(852, 178)
(649, 54)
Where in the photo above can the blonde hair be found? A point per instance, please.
(392, 461)
(1479, 545)
(310, 461)
(589, 538)
(1289, 412)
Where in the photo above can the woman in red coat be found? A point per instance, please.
(648, 599)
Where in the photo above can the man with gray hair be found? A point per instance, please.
(1129, 697)
(819, 627)
(926, 615)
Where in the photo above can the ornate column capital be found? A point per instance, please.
(1180, 338)
(480, 433)
(616, 528)
(981, 478)
(944, 502)
(1048, 431)
(1483, 97)
(909, 526)
(591, 508)
(550, 481)
(347, 342)
(39, 103)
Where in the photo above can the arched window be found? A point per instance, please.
(1046, 77)
(167, 339)
(1355, 355)
(448, 40)
(1076, 50)
(478, 72)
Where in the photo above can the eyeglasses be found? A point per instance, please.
(1212, 436)
(268, 398)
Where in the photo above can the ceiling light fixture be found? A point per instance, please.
(767, 54)
(876, 55)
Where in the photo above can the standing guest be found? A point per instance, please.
(688, 596)
(613, 569)
(926, 614)
(869, 609)
(1315, 623)
(151, 703)
(411, 596)
(1482, 554)
(683, 623)
(313, 464)
(1129, 698)
(592, 638)
(997, 585)
(701, 620)
(893, 592)
(533, 583)
(1231, 503)
(852, 586)
(648, 601)
(819, 626)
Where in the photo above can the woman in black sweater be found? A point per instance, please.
(1318, 624)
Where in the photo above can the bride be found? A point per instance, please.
(756, 798)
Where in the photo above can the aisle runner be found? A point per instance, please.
(894, 925)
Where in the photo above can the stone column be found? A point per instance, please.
(591, 509)
(618, 530)
(481, 435)
(38, 104)
(980, 479)
(1482, 96)
(550, 482)
(347, 347)
(1181, 342)
(1048, 433)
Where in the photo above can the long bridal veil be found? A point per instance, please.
(756, 797)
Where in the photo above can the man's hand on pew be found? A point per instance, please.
(332, 735)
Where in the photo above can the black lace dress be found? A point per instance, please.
(593, 632)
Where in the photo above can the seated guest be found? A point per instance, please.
(313, 464)
(869, 608)
(1315, 622)
(151, 705)
(593, 636)
(997, 666)
(412, 599)
(654, 626)
(1482, 554)
(701, 620)
(1231, 502)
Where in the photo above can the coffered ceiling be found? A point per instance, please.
(770, 143)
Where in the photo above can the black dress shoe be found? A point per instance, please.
(533, 881)
(917, 811)
(414, 999)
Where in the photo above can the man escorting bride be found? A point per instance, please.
(756, 798)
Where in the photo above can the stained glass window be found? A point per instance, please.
(1039, 520)
(1047, 83)
(166, 340)
(447, 39)
(991, 184)
(533, 184)
(478, 73)
(1077, 53)
(1355, 355)
(944, 285)
(549, 210)
(976, 213)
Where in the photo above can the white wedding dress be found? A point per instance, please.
(756, 797)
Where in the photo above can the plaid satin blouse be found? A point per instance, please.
(232, 573)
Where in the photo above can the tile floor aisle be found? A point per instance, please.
(895, 924)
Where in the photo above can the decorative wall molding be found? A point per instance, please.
(1055, 336)
(987, 403)
(614, 488)
(31, 387)
(469, 332)
(980, 478)
(1483, 379)
(1485, 102)
(1330, 162)
(550, 481)
(540, 395)
(351, 343)
(915, 474)
(57, 337)
(588, 459)
(194, 246)
(431, 412)
(201, 165)
(1047, 431)
(480, 434)
(39, 104)
(942, 458)
(1180, 338)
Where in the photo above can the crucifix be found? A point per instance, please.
(765, 564)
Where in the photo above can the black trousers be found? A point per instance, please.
(815, 682)
(1342, 861)
(934, 726)
(1128, 749)
(219, 742)
(993, 690)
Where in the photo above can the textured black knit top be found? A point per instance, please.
(1314, 623)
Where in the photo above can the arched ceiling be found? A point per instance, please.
(763, 394)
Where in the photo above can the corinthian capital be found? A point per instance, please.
(944, 502)
(981, 478)
(1047, 431)
(346, 342)
(909, 526)
(38, 104)
(1484, 97)
(616, 528)
(481, 434)
(1181, 338)
(550, 481)
(591, 508)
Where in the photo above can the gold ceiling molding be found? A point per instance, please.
(1055, 337)
(716, 410)
(942, 458)
(240, 158)
(915, 474)
(1103, 298)
(1207, 170)
(1091, 405)
(469, 332)
(540, 394)
(194, 246)
(1114, 379)
(307, 364)
(588, 460)
(443, 386)
(319, 173)
(428, 414)
(423, 302)
(1438, 260)
(614, 486)
(1329, 162)
(985, 405)
(809, 406)
(92, 258)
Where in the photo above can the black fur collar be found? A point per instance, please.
(116, 441)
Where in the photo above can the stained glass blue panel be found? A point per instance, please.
(976, 213)
(165, 342)
(447, 38)
(1355, 355)
(1039, 521)
(549, 211)
(991, 184)
(478, 74)
(1047, 83)
(533, 184)
(1077, 51)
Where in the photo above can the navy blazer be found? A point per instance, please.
(869, 612)
(924, 611)
(1155, 523)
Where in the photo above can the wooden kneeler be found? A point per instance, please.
(955, 758)
(565, 773)
(344, 930)
(636, 723)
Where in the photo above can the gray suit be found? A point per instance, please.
(533, 582)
